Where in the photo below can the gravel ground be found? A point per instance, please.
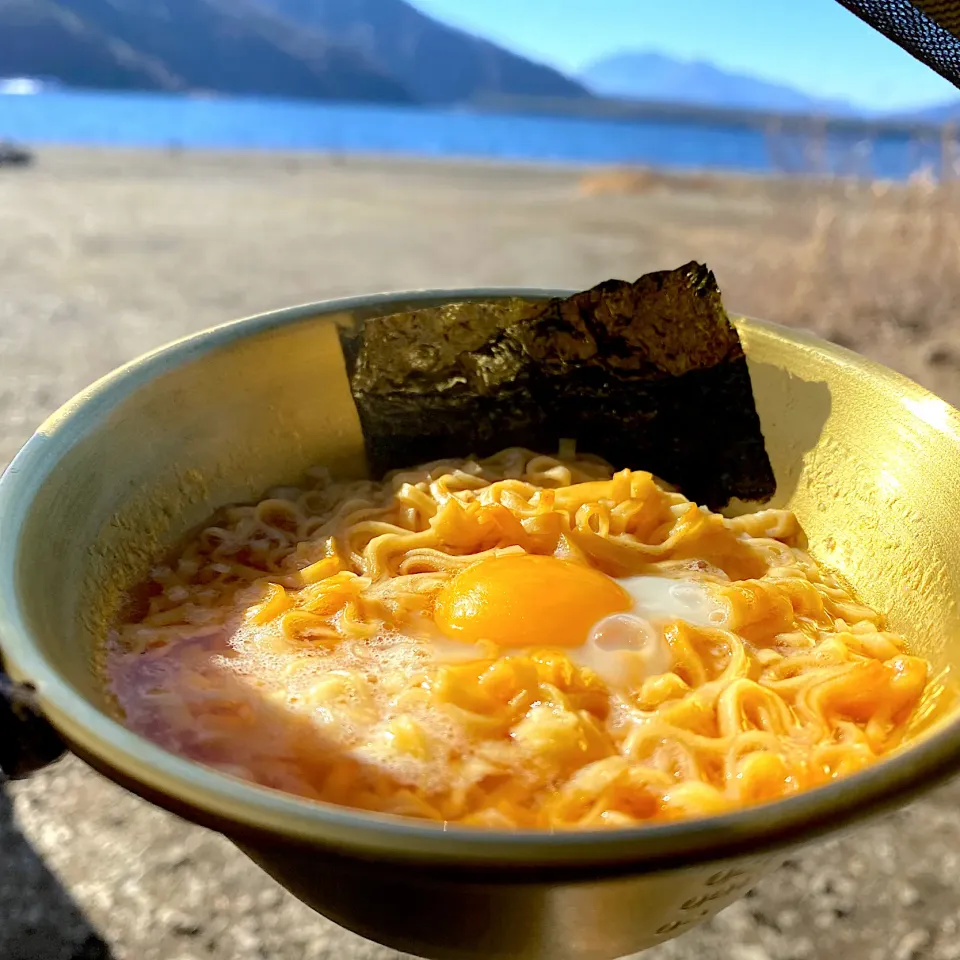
(104, 255)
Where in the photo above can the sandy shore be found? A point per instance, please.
(106, 254)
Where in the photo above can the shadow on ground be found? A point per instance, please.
(38, 918)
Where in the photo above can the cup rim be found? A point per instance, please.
(234, 805)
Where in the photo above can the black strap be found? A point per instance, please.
(27, 741)
(927, 29)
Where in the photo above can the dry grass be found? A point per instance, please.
(879, 271)
(617, 181)
(874, 266)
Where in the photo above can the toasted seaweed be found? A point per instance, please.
(649, 375)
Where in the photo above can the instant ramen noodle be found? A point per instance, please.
(522, 641)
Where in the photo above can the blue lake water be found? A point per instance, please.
(156, 120)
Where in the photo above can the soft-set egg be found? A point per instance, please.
(614, 627)
(527, 601)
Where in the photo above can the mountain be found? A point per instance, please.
(653, 77)
(226, 46)
(42, 38)
(437, 63)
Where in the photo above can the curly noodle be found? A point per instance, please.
(282, 646)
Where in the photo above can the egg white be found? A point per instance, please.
(626, 648)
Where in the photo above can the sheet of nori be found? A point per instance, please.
(650, 375)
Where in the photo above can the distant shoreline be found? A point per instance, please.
(518, 133)
(598, 108)
(644, 111)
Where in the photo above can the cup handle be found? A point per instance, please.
(27, 740)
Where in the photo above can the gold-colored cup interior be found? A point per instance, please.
(869, 462)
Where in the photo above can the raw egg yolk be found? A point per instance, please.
(527, 601)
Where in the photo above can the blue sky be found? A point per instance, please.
(815, 45)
